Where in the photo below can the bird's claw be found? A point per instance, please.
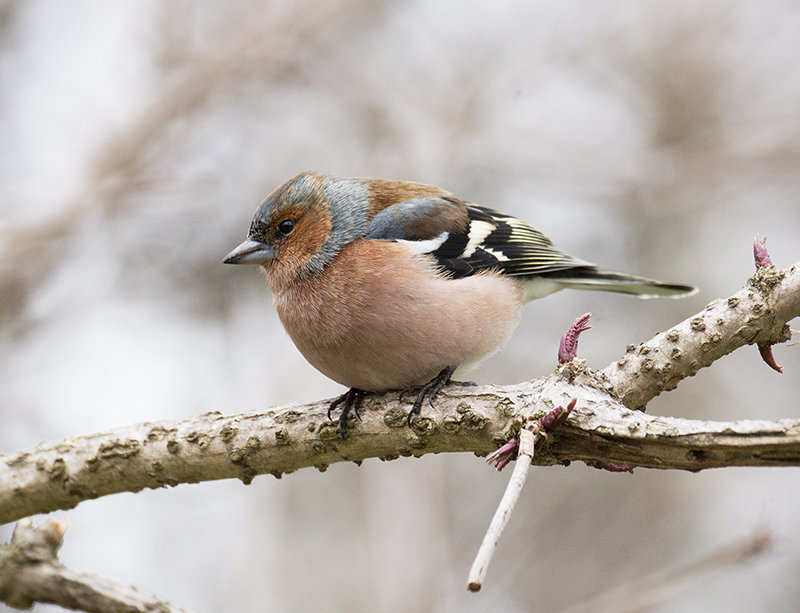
(350, 400)
(430, 390)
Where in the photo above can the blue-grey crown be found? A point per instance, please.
(347, 199)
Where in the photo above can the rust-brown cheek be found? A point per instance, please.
(294, 251)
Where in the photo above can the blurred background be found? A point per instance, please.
(136, 139)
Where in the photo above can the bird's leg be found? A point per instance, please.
(351, 399)
(430, 389)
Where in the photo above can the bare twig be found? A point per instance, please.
(30, 572)
(507, 503)
(523, 445)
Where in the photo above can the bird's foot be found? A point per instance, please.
(429, 390)
(350, 400)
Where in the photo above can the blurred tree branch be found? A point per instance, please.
(30, 572)
(134, 157)
(645, 592)
(603, 428)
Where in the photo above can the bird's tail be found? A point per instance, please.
(607, 281)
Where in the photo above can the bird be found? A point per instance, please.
(395, 285)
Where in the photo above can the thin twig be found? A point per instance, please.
(481, 564)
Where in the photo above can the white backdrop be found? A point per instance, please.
(138, 137)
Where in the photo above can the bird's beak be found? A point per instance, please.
(250, 252)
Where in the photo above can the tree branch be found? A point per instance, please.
(478, 419)
(30, 572)
(756, 314)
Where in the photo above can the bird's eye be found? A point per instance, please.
(286, 226)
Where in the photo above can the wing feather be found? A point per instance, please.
(466, 238)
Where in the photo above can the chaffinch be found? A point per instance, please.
(391, 285)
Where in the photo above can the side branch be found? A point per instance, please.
(755, 315)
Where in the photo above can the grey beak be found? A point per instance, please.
(250, 252)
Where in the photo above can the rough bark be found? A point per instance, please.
(756, 314)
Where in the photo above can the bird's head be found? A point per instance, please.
(301, 226)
